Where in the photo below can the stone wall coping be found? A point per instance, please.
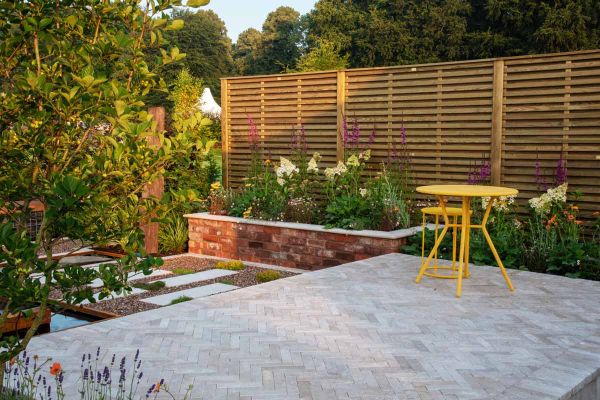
(397, 234)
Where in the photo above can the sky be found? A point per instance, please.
(240, 15)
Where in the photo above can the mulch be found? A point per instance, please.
(131, 304)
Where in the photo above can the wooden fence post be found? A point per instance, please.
(341, 113)
(224, 132)
(156, 188)
(497, 110)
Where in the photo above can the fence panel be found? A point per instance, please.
(553, 108)
(510, 112)
(278, 105)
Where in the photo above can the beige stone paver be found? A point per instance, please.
(363, 330)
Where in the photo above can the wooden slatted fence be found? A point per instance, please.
(512, 112)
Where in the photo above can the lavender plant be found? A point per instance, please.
(24, 379)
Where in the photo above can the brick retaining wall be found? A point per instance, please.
(287, 244)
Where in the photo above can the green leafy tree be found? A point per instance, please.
(197, 170)
(208, 49)
(73, 129)
(275, 49)
(246, 51)
(325, 56)
(386, 32)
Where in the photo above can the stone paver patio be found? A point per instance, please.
(363, 330)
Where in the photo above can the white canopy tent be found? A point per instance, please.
(208, 105)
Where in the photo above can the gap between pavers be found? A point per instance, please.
(194, 293)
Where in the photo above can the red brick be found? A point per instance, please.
(283, 246)
(296, 241)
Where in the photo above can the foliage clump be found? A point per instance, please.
(299, 189)
(235, 265)
(74, 135)
(182, 271)
(180, 299)
(267, 275)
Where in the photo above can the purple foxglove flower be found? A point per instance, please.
(371, 139)
(560, 174)
(253, 137)
(402, 135)
(355, 135)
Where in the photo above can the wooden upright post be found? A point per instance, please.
(224, 132)
(156, 188)
(341, 113)
(497, 102)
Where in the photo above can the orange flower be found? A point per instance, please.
(157, 388)
(579, 222)
(571, 217)
(55, 369)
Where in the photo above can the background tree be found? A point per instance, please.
(388, 32)
(273, 50)
(203, 38)
(246, 51)
(325, 56)
(73, 131)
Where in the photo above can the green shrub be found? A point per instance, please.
(182, 271)
(180, 299)
(268, 275)
(235, 265)
(227, 282)
(173, 234)
(150, 286)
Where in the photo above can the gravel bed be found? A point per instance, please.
(63, 245)
(132, 304)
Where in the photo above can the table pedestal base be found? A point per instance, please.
(465, 233)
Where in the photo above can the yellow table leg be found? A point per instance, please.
(437, 243)
(463, 242)
(423, 241)
(468, 242)
(454, 235)
(435, 256)
(491, 244)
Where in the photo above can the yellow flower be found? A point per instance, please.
(353, 161)
(215, 186)
(247, 213)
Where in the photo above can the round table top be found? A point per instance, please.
(467, 190)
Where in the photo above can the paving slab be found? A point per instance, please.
(83, 259)
(132, 276)
(197, 277)
(194, 293)
(362, 330)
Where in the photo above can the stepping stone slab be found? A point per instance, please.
(71, 260)
(96, 283)
(197, 277)
(194, 293)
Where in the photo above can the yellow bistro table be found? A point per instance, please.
(466, 192)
